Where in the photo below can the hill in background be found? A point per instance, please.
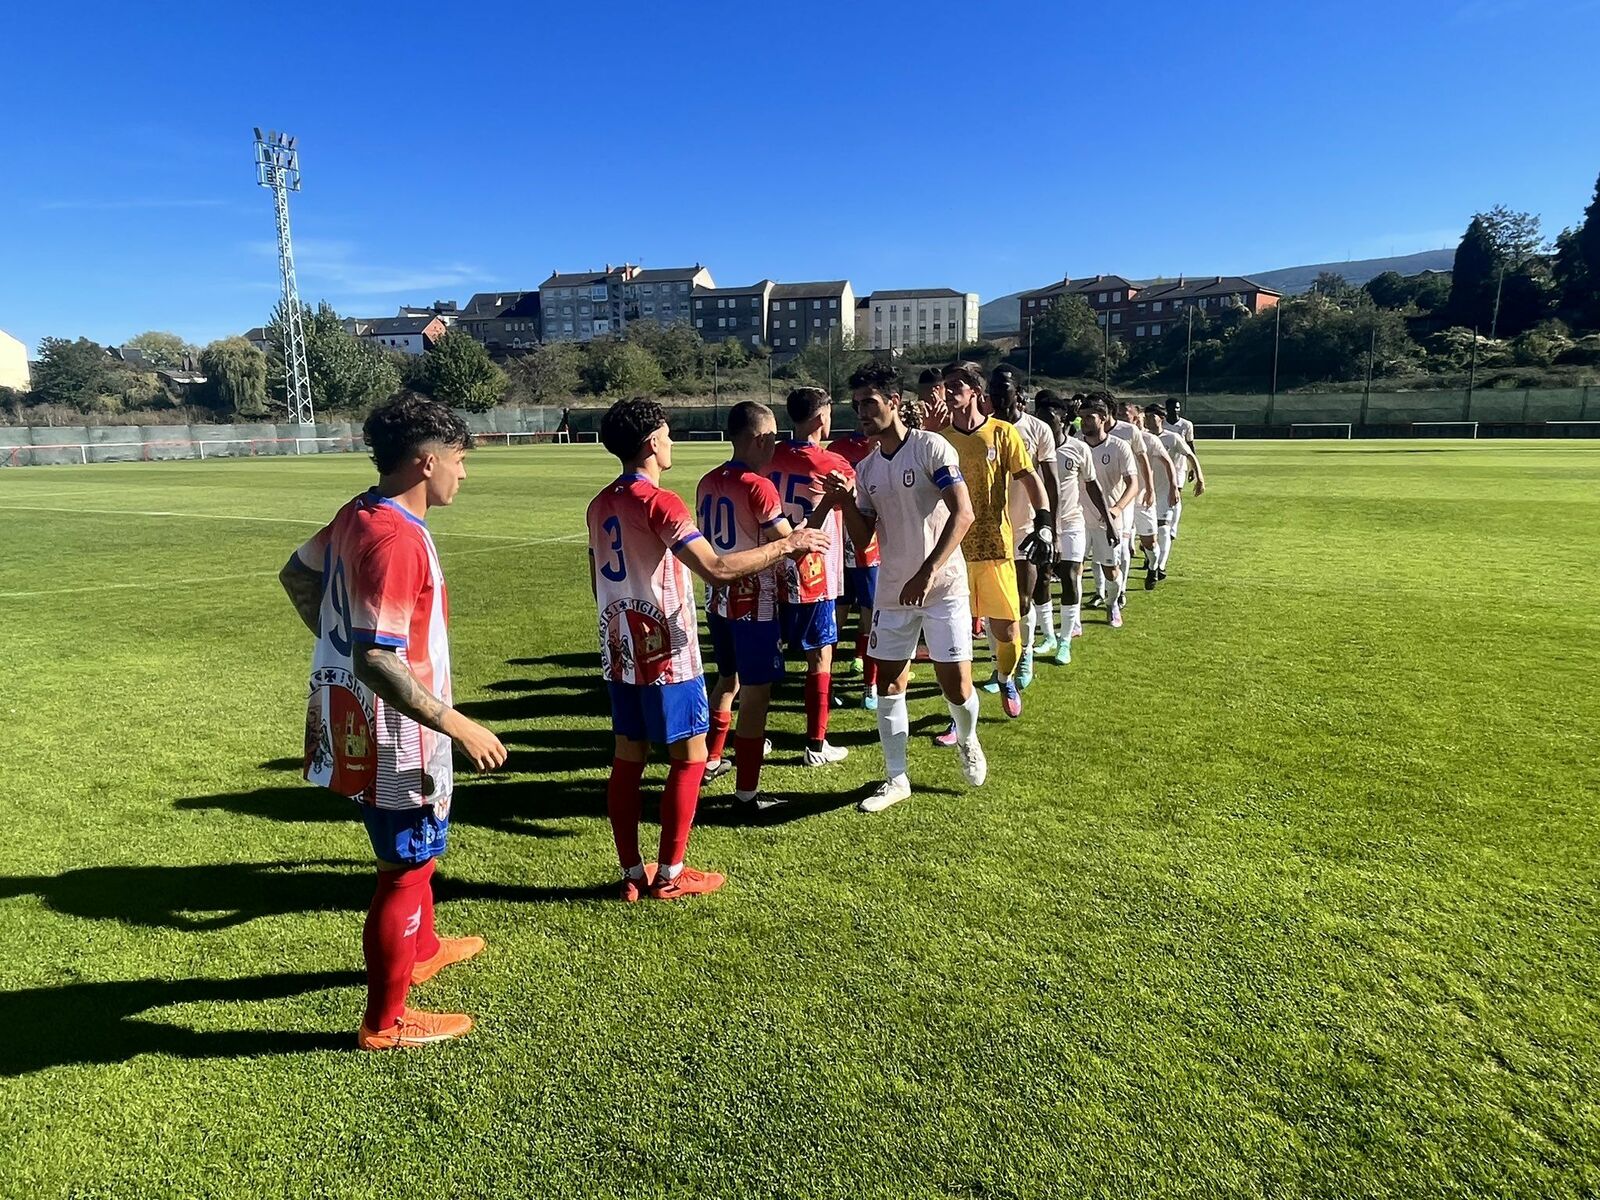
(1004, 314)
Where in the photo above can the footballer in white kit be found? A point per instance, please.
(1169, 485)
(1079, 501)
(1033, 579)
(1117, 474)
(909, 492)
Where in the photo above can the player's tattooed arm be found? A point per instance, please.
(304, 587)
(382, 670)
(389, 678)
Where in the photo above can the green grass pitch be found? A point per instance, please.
(1288, 888)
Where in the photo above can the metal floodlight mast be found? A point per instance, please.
(278, 168)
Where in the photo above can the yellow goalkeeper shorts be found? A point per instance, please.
(993, 583)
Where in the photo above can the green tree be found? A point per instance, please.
(1333, 286)
(236, 377)
(677, 349)
(1390, 289)
(1318, 342)
(1498, 256)
(731, 353)
(161, 349)
(347, 374)
(621, 367)
(73, 373)
(1067, 340)
(1577, 267)
(1514, 235)
(551, 373)
(457, 371)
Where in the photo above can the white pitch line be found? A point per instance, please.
(564, 539)
(133, 512)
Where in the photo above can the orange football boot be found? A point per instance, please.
(634, 889)
(451, 950)
(688, 883)
(415, 1028)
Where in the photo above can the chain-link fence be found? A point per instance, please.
(1521, 412)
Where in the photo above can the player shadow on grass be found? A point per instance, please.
(94, 1023)
(559, 697)
(589, 660)
(215, 896)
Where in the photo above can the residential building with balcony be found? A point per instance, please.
(663, 294)
(578, 306)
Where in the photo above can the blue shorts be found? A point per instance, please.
(407, 836)
(752, 650)
(809, 626)
(663, 713)
(860, 587)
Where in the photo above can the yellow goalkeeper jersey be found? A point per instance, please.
(990, 455)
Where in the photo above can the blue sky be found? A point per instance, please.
(987, 147)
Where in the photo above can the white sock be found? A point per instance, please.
(965, 716)
(666, 872)
(1030, 626)
(1099, 581)
(994, 646)
(1163, 547)
(1069, 619)
(1047, 617)
(894, 730)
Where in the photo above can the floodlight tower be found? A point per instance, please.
(278, 168)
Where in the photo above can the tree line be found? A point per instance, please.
(1511, 303)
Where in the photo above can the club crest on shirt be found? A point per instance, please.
(993, 454)
(636, 639)
(909, 478)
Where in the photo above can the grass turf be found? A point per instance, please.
(1287, 888)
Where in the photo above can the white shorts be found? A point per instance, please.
(1167, 514)
(1070, 543)
(1144, 519)
(1100, 547)
(945, 625)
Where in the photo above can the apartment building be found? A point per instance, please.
(581, 305)
(1130, 309)
(801, 313)
(732, 312)
(895, 320)
(502, 320)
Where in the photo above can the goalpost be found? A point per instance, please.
(1468, 428)
(1333, 426)
(589, 436)
(1222, 431)
(1578, 428)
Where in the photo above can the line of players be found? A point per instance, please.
(935, 507)
(940, 515)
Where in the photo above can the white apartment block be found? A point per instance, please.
(917, 317)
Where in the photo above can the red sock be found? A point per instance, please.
(862, 636)
(622, 806)
(721, 722)
(817, 688)
(427, 939)
(747, 772)
(678, 799)
(869, 673)
(389, 941)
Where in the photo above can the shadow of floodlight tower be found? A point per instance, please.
(278, 168)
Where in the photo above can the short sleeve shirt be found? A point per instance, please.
(796, 470)
(1072, 459)
(736, 507)
(649, 629)
(989, 456)
(1040, 443)
(1112, 459)
(381, 586)
(906, 493)
(853, 448)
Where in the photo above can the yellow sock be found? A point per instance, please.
(1008, 658)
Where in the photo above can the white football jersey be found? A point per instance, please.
(1175, 446)
(1113, 468)
(1076, 469)
(1160, 462)
(905, 492)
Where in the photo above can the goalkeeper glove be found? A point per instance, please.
(1039, 547)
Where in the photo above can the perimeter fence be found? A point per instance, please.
(1489, 412)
